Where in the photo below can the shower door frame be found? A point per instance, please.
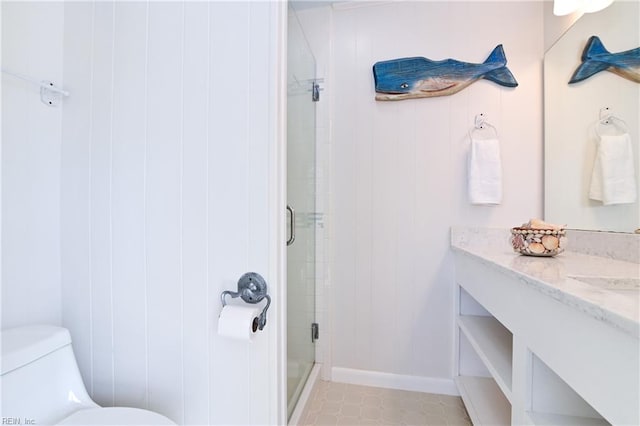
(301, 195)
(276, 332)
(277, 193)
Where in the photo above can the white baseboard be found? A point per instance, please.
(394, 381)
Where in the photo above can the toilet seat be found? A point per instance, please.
(115, 416)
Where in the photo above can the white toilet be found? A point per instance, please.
(41, 383)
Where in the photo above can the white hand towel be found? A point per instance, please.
(613, 180)
(485, 172)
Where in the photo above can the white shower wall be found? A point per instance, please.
(167, 176)
(398, 176)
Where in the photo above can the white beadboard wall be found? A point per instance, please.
(166, 174)
(399, 175)
(31, 134)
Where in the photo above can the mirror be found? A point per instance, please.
(572, 113)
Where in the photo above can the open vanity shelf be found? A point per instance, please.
(487, 396)
(526, 358)
(493, 345)
(485, 403)
(486, 366)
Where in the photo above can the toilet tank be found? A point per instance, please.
(41, 383)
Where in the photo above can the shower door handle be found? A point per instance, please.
(292, 226)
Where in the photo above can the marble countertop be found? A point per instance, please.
(575, 279)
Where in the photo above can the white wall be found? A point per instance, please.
(31, 132)
(399, 178)
(169, 149)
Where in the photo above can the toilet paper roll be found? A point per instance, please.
(238, 322)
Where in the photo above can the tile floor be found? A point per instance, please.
(351, 405)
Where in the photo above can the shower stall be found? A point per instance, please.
(301, 210)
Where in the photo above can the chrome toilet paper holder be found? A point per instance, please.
(252, 288)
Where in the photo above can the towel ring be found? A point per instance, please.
(607, 118)
(481, 123)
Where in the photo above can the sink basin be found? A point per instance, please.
(626, 285)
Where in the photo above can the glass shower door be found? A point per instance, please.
(301, 197)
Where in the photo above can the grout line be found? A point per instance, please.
(207, 272)
(181, 213)
(144, 207)
(247, 142)
(247, 175)
(91, 82)
(113, 49)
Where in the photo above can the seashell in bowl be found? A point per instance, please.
(538, 241)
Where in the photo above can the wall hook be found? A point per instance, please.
(50, 94)
(252, 288)
(481, 123)
(605, 115)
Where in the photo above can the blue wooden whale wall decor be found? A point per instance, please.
(596, 58)
(419, 77)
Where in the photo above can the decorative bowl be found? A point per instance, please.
(538, 242)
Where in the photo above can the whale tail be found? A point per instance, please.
(502, 75)
(589, 66)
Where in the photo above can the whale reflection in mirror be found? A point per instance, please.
(596, 58)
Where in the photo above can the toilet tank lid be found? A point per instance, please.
(22, 345)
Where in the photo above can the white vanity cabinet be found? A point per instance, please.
(532, 351)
